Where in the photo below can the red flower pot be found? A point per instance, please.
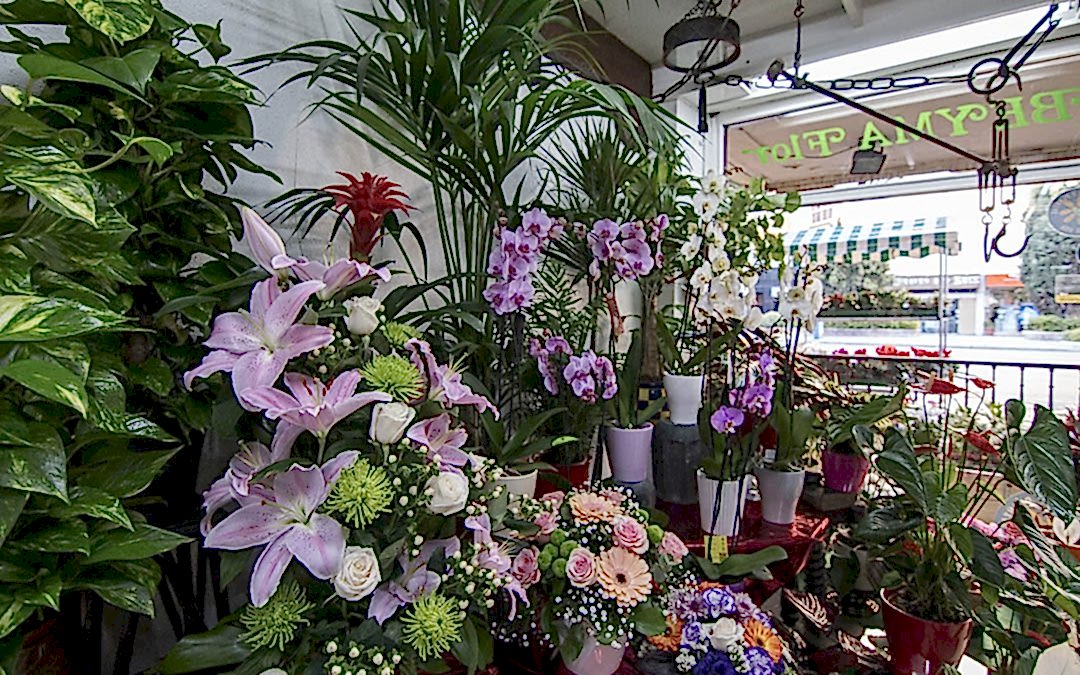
(918, 646)
(843, 472)
(575, 474)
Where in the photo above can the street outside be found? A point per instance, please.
(1033, 380)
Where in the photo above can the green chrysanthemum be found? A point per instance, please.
(395, 375)
(360, 494)
(432, 625)
(274, 624)
(397, 334)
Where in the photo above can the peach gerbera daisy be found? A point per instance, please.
(623, 576)
(589, 507)
(669, 640)
(758, 634)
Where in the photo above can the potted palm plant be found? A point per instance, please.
(629, 434)
(935, 549)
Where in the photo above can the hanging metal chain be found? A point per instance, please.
(800, 9)
(997, 186)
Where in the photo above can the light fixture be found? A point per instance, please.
(701, 43)
(868, 162)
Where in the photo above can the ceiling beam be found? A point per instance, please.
(854, 10)
(608, 58)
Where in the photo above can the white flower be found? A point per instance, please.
(692, 228)
(705, 205)
(713, 183)
(724, 633)
(795, 296)
(691, 247)
(362, 318)
(754, 319)
(273, 671)
(359, 574)
(1067, 534)
(449, 492)
(701, 278)
(389, 421)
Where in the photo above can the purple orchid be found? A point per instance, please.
(757, 399)
(443, 444)
(444, 381)
(587, 372)
(338, 276)
(603, 234)
(727, 420)
(256, 345)
(266, 245)
(285, 521)
(314, 406)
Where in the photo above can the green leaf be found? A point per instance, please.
(66, 536)
(52, 178)
(1044, 465)
(1015, 411)
(985, 563)
(11, 506)
(30, 318)
(12, 613)
(122, 473)
(40, 466)
(134, 69)
(143, 541)
(127, 585)
(88, 501)
(213, 651)
(43, 592)
(740, 565)
(899, 463)
(122, 20)
(154, 374)
(49, 380)
(649, 620)
(42, 66)
(210, 37)
(467, 649)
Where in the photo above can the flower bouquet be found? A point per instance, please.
(599, 569)
(372, 523)
(714, 629)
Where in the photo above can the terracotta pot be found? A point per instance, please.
(575, 474)
(918, 646)
(519, 484)
(843, 472)
(630, 453)
(683, 397)
(780, 493)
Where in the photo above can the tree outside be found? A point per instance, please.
(1048, 254)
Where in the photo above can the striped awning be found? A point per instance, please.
(879, 241)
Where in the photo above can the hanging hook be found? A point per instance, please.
(995, 243)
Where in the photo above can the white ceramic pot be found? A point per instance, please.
(629, 453)
(731, 497)
(683, 397)
(596, 659)
(780, 493)
(518, 484)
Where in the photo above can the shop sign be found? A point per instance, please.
(813, 148)
(954, 281)
(1067, 289)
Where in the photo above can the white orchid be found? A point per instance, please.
(691, 247)
(713, 183)
(706, 205)
(701, 278)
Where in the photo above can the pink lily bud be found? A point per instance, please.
(266, 245)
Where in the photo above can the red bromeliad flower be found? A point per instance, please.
(368, 200)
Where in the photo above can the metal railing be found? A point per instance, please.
(1054, 385)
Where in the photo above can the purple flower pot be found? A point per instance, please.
(630, 453)
(842, 472)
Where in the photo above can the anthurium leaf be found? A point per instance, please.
(49, 380)
(42, 66)
(38, 467)
(88, 501)
(143, 541)
(209, 651)
(1044, 464)
(985, 563)
(122, 473)
(649, 620)
(65, 536)
(51, 177)
(122, 20)
(898, 462)
(31, 318)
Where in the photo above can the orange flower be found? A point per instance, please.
(669, 640)
(623, 576)
(758, 634)
(589, 507)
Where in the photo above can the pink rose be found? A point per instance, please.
(581, 567)
(547, 521)
(525, 568)
(673, 547)
(630, 534)
(555, 497)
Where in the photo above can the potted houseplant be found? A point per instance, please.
(844, 462)
(731, 432)
(780, 481)
(935, 549)
(630, 432)
(515, 454)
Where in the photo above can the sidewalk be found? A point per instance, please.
(1016, 348)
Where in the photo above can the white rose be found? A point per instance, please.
(724, 633)
(449, 492)
(389, 421)
(362, 318)
(359, 574)
(273, 671)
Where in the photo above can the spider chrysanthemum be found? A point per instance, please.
(397, 334)
(361, 493)
(275, 624)
(432, 625)
(395, 375)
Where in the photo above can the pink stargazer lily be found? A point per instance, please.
(313, 406)
(443, 444)
(338, 276)
(266, 245)
(444, 382)
(285, 521)
(256, 345)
